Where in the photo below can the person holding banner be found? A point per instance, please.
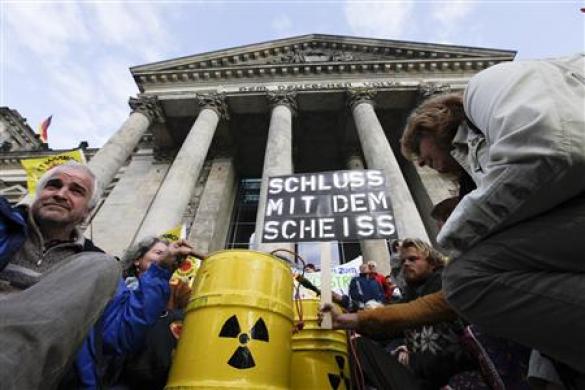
(127, 319)
(54, 283)
(516, 240)
(149, 270)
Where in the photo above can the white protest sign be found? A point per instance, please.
(327, 206)
(341, 276)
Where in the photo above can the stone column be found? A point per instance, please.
(117, 221)
(177, 189)
(379, 155)
(211, 224)
(277, 157)
(376, 250)
(108, 160)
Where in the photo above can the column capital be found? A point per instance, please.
(149, 106)
(428, 89)
(356, 96)
(287, 98)
(216, 102)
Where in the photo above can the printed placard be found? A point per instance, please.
(327, 206)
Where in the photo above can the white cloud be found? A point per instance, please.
(78, 56)
(379, 19)
(450, 17)
(453, 11)
(136, 28)
(46, 29)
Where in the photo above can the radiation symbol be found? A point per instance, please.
(242, 357)
(334, 379)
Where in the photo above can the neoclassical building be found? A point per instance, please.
(207, 130)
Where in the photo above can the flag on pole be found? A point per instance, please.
(43, 128)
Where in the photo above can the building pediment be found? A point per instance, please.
(314, 54)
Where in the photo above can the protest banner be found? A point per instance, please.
(36, 167)
(328, 206)
(190, 265)
(341, 276)
(175, 234)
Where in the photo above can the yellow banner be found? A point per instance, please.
(36, 167)
(174, 234)
(188, 268)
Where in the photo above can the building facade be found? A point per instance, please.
(206, 131)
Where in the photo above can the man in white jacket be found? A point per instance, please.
(518, 239)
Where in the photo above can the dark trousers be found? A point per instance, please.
(527, 283)
(381, 370)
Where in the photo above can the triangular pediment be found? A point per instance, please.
(313, 56)
(318, 48)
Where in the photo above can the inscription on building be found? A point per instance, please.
(318, 86)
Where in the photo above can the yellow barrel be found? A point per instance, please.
(237, 328)
(319, 356)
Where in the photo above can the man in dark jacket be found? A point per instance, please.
(431, 351)
(363, 289)
(53, 282)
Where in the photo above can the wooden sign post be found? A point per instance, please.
(326, 282)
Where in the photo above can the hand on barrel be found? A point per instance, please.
(339, 319)
(402, 354)
(177, 251)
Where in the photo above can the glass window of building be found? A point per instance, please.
(243, 224)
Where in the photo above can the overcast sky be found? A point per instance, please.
(71, 59)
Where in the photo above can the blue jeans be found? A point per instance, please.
(42, 327)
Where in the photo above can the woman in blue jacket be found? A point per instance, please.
(128, 316)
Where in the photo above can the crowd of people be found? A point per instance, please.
(501, 311)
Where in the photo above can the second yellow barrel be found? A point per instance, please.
(320, 356)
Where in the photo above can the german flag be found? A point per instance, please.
(43, 129)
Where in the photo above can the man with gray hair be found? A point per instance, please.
(54, 283)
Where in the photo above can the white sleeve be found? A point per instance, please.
(532, 117)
